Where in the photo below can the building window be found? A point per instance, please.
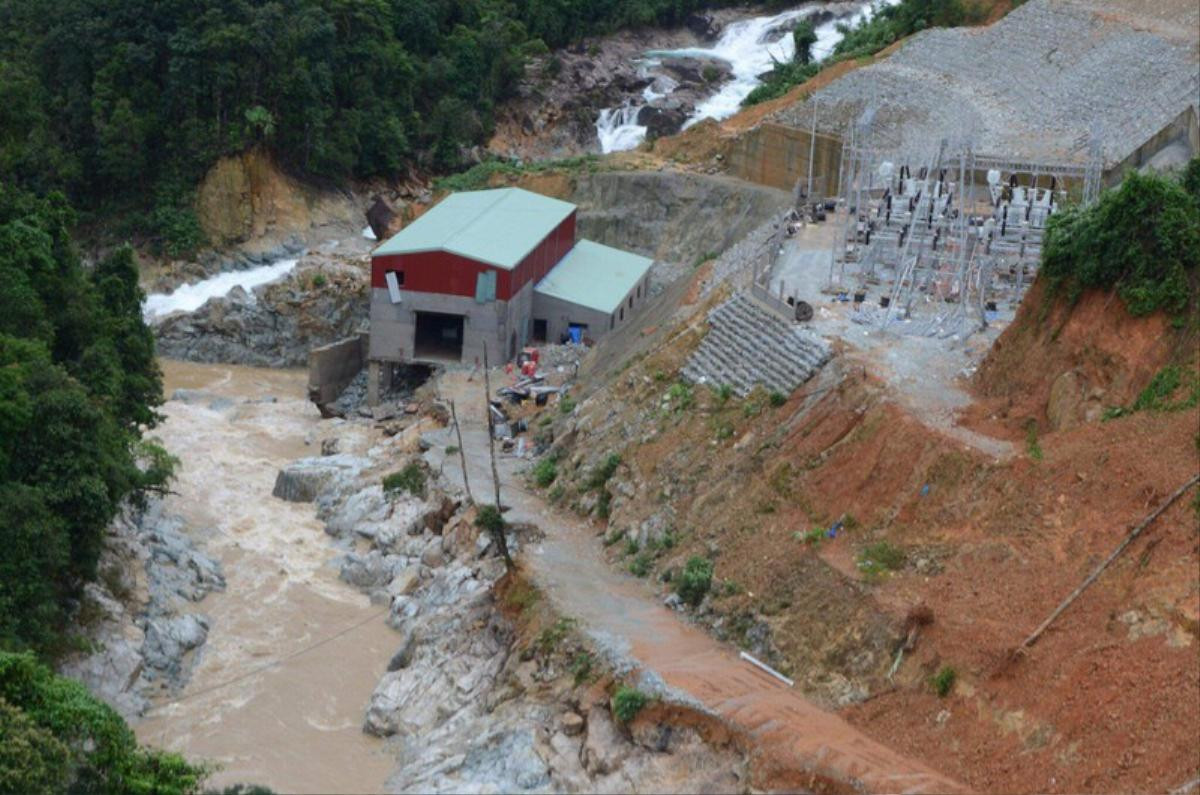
(631, 302)
(399, 277)
(622, 313)
(612, 321)
(639, 294)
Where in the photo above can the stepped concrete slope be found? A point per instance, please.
(1034, 84)
(748, 345)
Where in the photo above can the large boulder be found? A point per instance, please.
(604, 749)
(304, 480)
(661, 121)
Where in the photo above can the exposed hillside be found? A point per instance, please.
(939, 549)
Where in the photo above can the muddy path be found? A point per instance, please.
(798, 743)
(294, 726)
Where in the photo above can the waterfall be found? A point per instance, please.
(190, 297)
(745, 45)
(618, 128)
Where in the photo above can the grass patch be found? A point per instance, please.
(812, 537)
(604, 504)
(724, 392)
(627, 702)
(943, 681)
(411, 479)
(452, 449)
(550, 637)
(480, 175)
(776, 399)
(681, 397)
(875, 559)
(1160, 394)
(640, 566)
(581, 667)
(565, 404)
(604, 472)
(1032, 446)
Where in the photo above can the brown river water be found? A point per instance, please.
(294, 726)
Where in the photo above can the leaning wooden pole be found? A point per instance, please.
(498, 533)
(1142, 525)
(462, 452)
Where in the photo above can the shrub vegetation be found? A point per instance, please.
(1141, 238)
(695, 580)
(627, 702)
(411, 479)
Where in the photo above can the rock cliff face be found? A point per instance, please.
(146, 633)
(247, 199)
(675, 217)
(325, 299)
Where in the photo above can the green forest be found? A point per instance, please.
(123, 104)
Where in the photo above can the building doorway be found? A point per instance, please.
(438, 336)
(539, 330)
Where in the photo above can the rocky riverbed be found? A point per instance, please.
(283, 616)
(474, 699)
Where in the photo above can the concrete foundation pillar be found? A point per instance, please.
(374, 372)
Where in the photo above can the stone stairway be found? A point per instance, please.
(749, 345)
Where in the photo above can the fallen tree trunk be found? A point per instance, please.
(1091, 578)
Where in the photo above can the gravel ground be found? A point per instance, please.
(1032, 85)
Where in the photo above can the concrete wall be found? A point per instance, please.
(560, 314)
(1184, 129)
(331, 367)
(776, 155)
(393, 326)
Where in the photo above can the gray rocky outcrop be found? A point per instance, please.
(304, 480)
(325, 299)
(148, 632)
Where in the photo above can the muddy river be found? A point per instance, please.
(278, 694)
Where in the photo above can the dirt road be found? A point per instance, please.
(797, 744)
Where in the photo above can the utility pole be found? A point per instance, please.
(812, 149)
(496, 528)
(462, 453)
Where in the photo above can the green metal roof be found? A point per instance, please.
(499, 227)
(595, 276)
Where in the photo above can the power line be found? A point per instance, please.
(266, 666)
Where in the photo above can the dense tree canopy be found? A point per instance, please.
(124, 103)
(60, 738)
(78, 382)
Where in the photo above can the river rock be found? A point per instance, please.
(703, 25)
(403, 656)
(604, 749)
(363, 507)
(571, 723)
(276, 324)
(304, 480)
(169, 639)
(661, 121)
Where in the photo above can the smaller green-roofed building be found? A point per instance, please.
(595, 276)
(495, 270)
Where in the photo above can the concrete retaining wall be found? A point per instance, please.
(1184, 129)
(331, 367)
(775, 155)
